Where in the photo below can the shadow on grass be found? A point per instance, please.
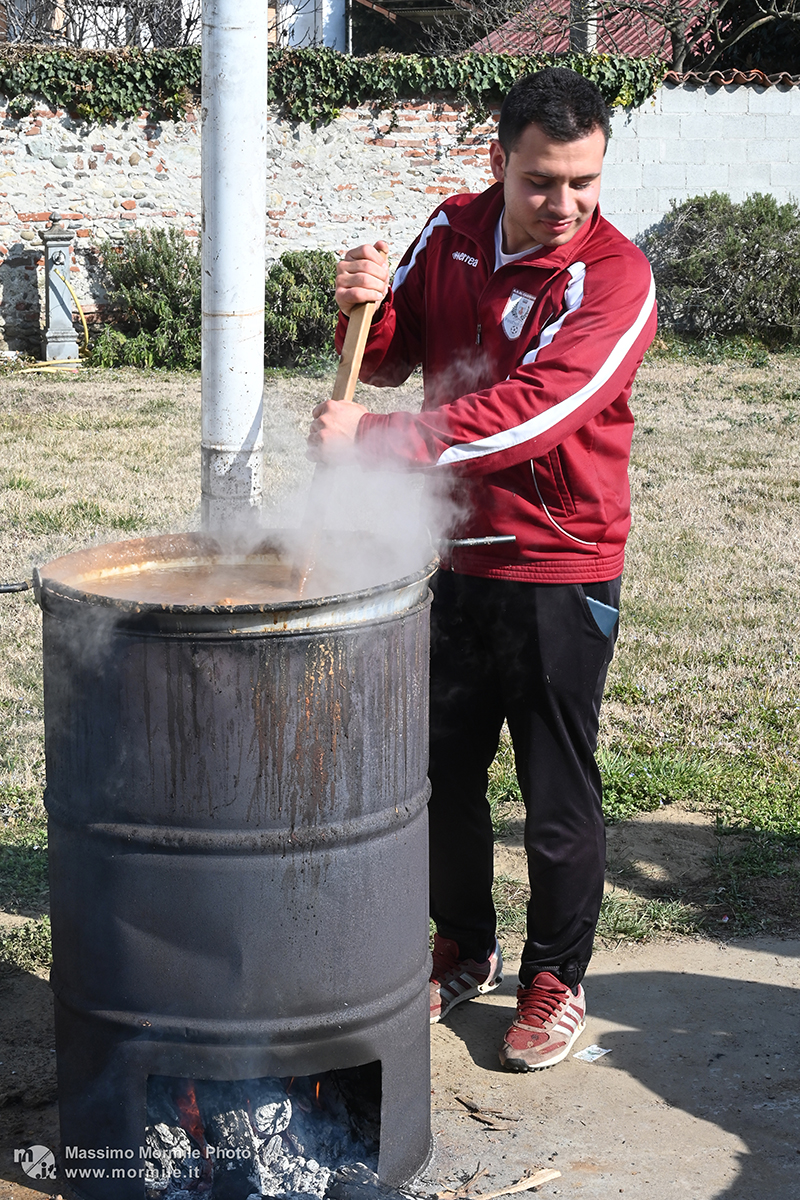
(756, 878)
(23, 879)
(680, 876)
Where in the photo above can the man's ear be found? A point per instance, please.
(497, 161)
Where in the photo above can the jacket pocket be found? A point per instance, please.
(551, 482)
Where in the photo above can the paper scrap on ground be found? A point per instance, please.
(591, 1053)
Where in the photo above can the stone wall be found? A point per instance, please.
(370, 174)
(100, 181)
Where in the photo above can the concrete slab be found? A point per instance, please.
(698, 1099)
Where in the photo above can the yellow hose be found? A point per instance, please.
(59, 364)
(80, 310)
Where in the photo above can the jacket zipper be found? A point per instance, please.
(478, 336)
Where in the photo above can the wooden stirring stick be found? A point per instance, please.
(343, 390)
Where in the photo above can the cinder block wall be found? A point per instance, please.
(370, 174)
(691, 140)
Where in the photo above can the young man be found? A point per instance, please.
(530, 315)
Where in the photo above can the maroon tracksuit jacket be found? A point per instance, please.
(527, 374)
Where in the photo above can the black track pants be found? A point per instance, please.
(531, 654)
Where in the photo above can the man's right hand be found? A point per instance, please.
(362, 275)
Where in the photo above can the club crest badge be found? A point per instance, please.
(515, 313)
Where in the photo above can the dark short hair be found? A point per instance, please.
(561, 102)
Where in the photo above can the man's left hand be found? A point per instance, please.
(332, 436)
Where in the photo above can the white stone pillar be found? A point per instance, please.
(314, 23)
(583, 26)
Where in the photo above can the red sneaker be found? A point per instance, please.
(454, 979)
(550, 1019)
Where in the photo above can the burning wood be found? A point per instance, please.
(261, 1138)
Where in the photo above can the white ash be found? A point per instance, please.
(271, 1149)
(274, 1111)
(168, 1149)
(289, 1177)
(263, 1144)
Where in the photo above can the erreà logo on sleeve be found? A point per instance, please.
(460, 256)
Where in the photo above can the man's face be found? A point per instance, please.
(551, 188)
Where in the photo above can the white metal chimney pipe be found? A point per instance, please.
(234, 203)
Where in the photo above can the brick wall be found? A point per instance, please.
(370, 174)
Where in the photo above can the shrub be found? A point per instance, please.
(723, 268)
(300, 317)
(27, 948)
(154, 316)
(153, 285)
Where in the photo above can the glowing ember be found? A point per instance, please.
(191, 1121)
(189, 1116)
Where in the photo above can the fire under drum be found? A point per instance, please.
(238, 853)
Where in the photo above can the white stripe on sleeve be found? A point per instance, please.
(573, 297)
(401, 272)
(506, 439)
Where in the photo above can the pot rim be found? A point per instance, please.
(197, 548)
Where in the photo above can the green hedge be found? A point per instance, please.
(309, 85)
(300, 313)
(153, 319)
(101, 85)
(152, 280)
(724, 268)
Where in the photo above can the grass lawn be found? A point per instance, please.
(700, 726)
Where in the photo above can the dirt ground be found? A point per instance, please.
(697, 1101)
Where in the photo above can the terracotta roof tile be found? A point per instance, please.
(545, 27)
(733, 76)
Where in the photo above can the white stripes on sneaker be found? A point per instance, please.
(463, 987)
(457, 983)
(567, 1023)
(455, 988)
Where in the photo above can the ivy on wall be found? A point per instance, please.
(101, 85)
(309, 85)
(313, 85)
